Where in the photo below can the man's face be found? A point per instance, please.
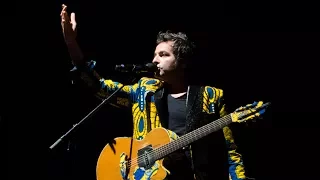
(165, 60)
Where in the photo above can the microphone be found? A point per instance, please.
(137, 68)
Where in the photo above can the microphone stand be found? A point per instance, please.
(87, 116)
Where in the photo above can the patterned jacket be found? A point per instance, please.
(145, 100)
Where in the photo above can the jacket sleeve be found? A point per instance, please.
(103, 88)
(236, 167)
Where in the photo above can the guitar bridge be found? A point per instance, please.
(145, 157)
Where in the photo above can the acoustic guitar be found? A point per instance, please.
(128, 158)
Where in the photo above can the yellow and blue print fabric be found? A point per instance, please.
(214, 97)
(136, 95)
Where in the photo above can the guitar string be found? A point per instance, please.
(193, 134)
(166, 147)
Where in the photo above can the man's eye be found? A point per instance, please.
(163, 54)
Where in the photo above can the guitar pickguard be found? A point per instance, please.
(139, 173)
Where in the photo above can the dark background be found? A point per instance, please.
(247, 65)
(251, 59)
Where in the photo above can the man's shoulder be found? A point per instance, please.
(212, 88)
(213, 92)
(150, 83)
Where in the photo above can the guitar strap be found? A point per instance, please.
(194, 116)
(148, 101)
(161, 102)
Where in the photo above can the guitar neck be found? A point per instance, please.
(192, 136)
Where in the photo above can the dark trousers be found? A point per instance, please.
(180, 166)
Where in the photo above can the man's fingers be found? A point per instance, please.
(73, 17)
(64, 14)
(73, 20)
(65, 17)
(64, 8)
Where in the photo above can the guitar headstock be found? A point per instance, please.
(249, 112)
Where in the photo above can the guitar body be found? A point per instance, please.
(113, 155)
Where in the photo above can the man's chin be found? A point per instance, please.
(159, 76)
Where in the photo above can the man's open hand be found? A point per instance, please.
(68, 24)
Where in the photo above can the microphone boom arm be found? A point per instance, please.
(87, 116)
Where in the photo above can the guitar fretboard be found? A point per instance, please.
(192, 136)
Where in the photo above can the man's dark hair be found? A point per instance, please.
(183, 48)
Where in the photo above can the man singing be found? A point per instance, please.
(169, 100)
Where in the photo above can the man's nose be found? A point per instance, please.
(156, 60)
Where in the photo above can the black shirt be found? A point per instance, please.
(177, 114)
(179, 162)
